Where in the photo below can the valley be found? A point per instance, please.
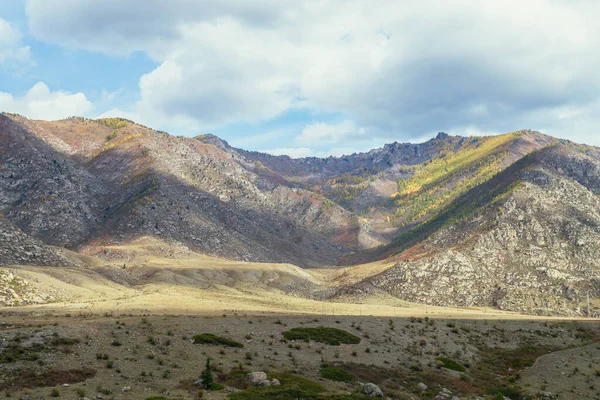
(460, 268)
(517, 214)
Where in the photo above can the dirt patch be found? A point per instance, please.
(52, 377)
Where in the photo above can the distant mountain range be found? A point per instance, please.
(510, 221)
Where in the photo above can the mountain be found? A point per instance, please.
(509, 221)
(527, 240)
(81, 184)
(400, 185)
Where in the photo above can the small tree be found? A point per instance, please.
(207, 376)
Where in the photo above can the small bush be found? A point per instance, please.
(55, 393)
(336, 374)
(451, 364)
(209, 338)
(331, 336)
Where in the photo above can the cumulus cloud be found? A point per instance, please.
(10, 47)
(41, 103)
(301, 152)
(398, 69)
(321, 132)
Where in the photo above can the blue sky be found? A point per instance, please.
(310, 78)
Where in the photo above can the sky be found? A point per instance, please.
(308, 78)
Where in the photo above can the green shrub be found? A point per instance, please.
(163, 398)
(336, 374)
(292, 387)
(451, 364)
(509, 391)
(209, 338)
(332, 336)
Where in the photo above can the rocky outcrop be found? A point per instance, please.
(16, 290)
(259, 378)
(372, 390)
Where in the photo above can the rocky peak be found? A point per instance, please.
(441, 136)
(216, 141)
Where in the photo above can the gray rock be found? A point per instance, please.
(256, 377)
(372, 390)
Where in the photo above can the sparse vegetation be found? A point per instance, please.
(335, 374)
(209, 338)
(451, 364)
(331, 336)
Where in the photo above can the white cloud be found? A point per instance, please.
(320, 132)
(337, 152)
(294, 152)
(41, 103)
(10, 47)
(399, 68)
(9, 35)
(300, 152)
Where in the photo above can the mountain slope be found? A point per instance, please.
(400, 185)
(528, 240)
(510, 221)
(76, 182)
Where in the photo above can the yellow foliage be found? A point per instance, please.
(114, 123)
(111, 144)
(441, 180)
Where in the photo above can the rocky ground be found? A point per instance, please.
(110, 356)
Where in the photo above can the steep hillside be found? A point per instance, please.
(437, 182)
(16, 247)
(400, 185)
(527, 240)
(79, 182)
(509, 221)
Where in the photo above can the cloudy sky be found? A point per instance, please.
(311, 77)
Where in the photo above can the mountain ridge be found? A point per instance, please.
(95, 185)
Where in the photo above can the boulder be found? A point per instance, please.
(256, 377)
(372, 390)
